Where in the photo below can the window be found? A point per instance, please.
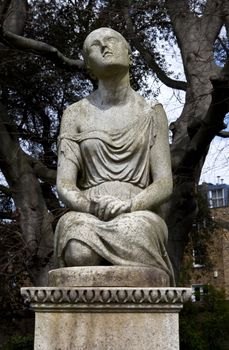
(198, 292)
(216, 198)
(199, 256)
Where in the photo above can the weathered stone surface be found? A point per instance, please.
(92, 298)
(114, 168)
(107, 276)
(106, 331)
(105, 317)
(83, 318)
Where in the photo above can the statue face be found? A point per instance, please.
(106, 53)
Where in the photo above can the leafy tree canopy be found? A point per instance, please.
(42, 72)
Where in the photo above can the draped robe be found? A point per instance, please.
(115, 163)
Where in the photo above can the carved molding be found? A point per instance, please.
(106, 298)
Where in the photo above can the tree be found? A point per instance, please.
(193, 25)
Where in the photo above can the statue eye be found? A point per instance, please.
(112, 40)
(95, 44)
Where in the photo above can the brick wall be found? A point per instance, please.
(216, 271)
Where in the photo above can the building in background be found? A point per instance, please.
(217, 195)
(206, 261)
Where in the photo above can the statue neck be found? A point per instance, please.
(114, 90)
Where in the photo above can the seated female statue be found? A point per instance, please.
(114, 168)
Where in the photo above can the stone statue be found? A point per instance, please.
(114, 168)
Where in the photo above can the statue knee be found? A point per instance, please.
(79, 254)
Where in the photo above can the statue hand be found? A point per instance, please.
(109, 207)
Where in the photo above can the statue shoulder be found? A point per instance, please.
(147, 105)
(156, 110)
(154, 104)
(158, 114)
(75, 109)
(73, 114)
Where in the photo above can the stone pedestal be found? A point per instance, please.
(105, 317)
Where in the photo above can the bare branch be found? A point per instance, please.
(149, 57)
(7, 215)
(179, 12)
(226, 49)
(213, 7)
(27, 135)
(207, 128)
(226, 18)
(14, 16)
(41, 48)
(214, 13)
(223, 134)
(7, 190)
(3, 8)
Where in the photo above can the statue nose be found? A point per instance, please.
(104, 46)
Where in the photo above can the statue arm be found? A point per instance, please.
(66, 186)
(161, 188)
(68, 168)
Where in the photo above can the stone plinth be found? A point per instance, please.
(107, 276)
(105, 317)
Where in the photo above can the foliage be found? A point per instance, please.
(14, 267)
(204, 325)
(19, 343)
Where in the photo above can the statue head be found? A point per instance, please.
(106, 52)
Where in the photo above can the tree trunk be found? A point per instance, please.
(34, 219)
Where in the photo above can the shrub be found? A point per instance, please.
(19, 342)
(204, 325)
